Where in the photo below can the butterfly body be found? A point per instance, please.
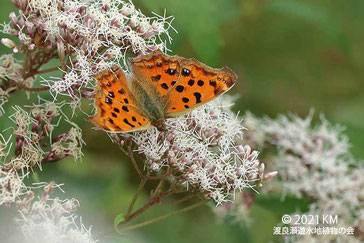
(159, 87)
(149, 103)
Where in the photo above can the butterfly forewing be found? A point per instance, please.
(197, 85)
(116, 111)
(160, 70)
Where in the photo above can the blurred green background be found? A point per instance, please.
(291, 55)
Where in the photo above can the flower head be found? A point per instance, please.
(87, 36)
(203, 151)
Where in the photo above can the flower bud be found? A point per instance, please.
(10, 44)
(14, 19)
(270, 175)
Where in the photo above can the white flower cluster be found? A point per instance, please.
(204, 151)
(30, 131)
(11, 187)
(314, 162)
(45, 219)
(87, 36)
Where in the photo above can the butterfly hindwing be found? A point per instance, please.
(160, 70)
(197, 85)
(116, 111)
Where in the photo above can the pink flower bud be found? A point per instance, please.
(10, 44)
(148, 34)
(16, 3)
(60, 49)
(14, 19)
(23, 5)
(270, 175)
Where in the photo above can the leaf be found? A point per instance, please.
(118, 219)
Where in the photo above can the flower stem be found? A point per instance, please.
(47, 70)
(36, 89)
(133, 201)
(151, 221)
(131, 156)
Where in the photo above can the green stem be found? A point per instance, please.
(37, 89)
(131, 156)
(140, 188)
(151, 221)
(47, 70)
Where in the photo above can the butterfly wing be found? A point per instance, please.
(116, 111)
(160, 70)
(197, 85)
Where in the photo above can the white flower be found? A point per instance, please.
(94, 35)
(203, 148)
(314, 162)
(52, 220)
(12, 187)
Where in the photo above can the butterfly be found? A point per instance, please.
(159, 87)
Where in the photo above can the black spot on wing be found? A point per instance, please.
(125, 108)
(128, 123)
(213, 83)
(116, 110)
(164, 86)
(156, 78)
(186, 72)
(191, 82)
(171, 71)
(180, 88)
(200, 83)
(111, 94)
(198, 97)
(108, 100)
(185, 100)
(114, 115)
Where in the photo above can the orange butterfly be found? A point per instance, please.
(159, 87)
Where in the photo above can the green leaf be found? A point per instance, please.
(118, 219)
